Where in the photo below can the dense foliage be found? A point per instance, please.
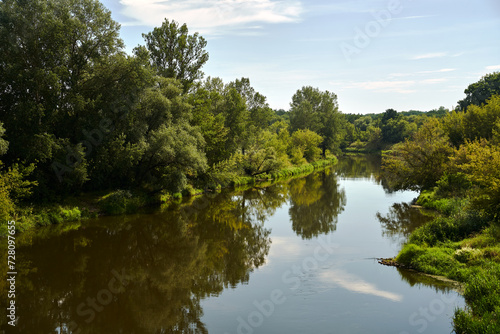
(455, 163)
(78, 114)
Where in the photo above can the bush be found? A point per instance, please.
(444, 229)
(482, 294)
(408, 254)
(71, 214)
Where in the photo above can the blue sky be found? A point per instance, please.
(374, 54)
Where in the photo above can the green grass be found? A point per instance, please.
(464, 246)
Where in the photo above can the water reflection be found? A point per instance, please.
(363, 167)
(143, 275)
(315, 203)
(149, 273)
(355, 284)
(438, 284)
(401, 220)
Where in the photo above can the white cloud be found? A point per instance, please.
(493, 68)
(443, 70)
(210, 16)
(430, 55)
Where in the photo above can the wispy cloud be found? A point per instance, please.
(210, 16)
(429, 55)
(493, 68)
(396, 86)
(414, 17)
(391, 86)
(442, 70)
(433, 81)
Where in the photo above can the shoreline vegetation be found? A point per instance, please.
(122, 202)
(454, 163)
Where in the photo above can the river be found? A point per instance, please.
(295, 257)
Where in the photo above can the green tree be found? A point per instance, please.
(317, 111)
(260, 114)
(388, 115)
(208, 117)
(50, 53)
(396, 130)
(477, 123)
(176, 54)
(169, 149)
(374, 135)
(479, 92)
(480, 162)
(304, 144)
(419, 163)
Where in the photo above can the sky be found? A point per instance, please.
(374, 54)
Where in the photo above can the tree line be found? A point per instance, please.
(79, 114)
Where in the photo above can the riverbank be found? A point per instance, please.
(118, 202)
(461, 245)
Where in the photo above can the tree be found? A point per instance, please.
(419, 163)
(50, 54)
(304, 144)
(388, 115)
(207, 116)
(260, 114)
(479, 92)
(165, 148)
(317, 111)
(176, 54)
(480, 162)
(478, 122)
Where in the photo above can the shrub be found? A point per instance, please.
(408, 254)
(444, 229)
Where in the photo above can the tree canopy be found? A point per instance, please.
(317, 111)
(479, 92)
(176, 54)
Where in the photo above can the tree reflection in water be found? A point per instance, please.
(401, 220)
(171, 260)
(315, 203)
(171, 264)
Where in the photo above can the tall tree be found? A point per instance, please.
(319, 112)
(176, 54)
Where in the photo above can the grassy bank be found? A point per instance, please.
(284, 174)
(119, 202)
(462, 245)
